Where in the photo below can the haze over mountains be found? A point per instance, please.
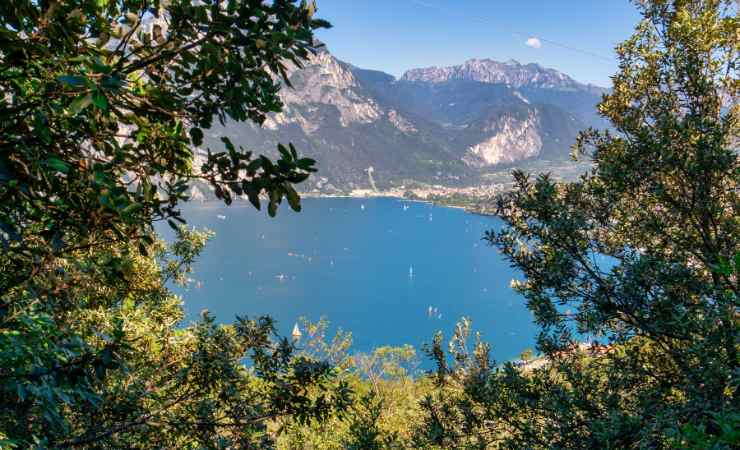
(440, 125)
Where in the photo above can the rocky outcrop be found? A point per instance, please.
(511, 140)
(324, 81)
(401, 123)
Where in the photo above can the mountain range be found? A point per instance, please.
(437, 125)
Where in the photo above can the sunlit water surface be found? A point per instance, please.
(389, 271)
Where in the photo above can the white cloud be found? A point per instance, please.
(534, 42)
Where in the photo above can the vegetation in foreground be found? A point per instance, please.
(103, 102)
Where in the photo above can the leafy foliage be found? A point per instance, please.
(104, 105)
(116, 369)
(644, 250)
(385, 408)
(104, 101)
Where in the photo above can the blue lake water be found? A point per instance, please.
(370, 266)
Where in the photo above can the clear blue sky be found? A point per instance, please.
(396, 35)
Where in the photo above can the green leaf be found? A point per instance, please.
(80, 103)
(228, 144)
(196, 135)
(253, 194)
(111, 82)
(254, 165)
(298, 178)
(284, 151)
(320, 23)
(294, 200)
(723, 268)
(57, 164)
(305, 163)
(99, 67)
(132, 209)
(100, 178)
(100, 101)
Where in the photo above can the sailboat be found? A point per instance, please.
(296, 332)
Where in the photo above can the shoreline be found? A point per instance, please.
(242, 203)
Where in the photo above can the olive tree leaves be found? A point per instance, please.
(102, 115)
(242, 175)
(105, 102)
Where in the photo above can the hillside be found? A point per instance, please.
(448, 126)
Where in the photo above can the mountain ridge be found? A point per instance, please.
(446, 126)
(487, 70)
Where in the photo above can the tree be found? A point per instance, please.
(385, 406)
(527, 355)
(117, 370)
(103, 106)
(645, 249)
(104, 101)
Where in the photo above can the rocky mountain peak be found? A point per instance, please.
(323, 81)
(510, 72)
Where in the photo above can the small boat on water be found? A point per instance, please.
(281, 277)
(221, 216)
(434, 312)
(362, 207)
(411, 272)
(296, 332)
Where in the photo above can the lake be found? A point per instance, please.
(374, 267)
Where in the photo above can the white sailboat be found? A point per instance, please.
(296, 332)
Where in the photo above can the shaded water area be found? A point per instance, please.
(389, 271)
